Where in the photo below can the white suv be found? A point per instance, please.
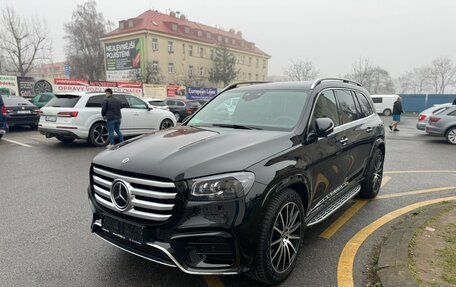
(78, 116)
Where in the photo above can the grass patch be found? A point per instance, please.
(448, 255)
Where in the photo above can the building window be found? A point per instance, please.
(121, 25)
(171, 68)
(155, 66)
(219, 38)
(187, 30)
(190, 50)
(174, 27)
(242, 43)
(212, 54)
(227, 40)
(200, 33)
(201, 52)
(208, 35)
(233, 42)
(250, 61)
(130, 23)
(257, 63)
(170, 47)
(250, 76)
(201, 71)
(256, 77)
(264, 63)
(190, 71)
(264, 78)
(154, 44)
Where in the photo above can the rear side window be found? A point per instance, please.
(377, 100)
(180, 104)
(170, 103)
(439, 111)
(326, 107)
(95, 101)
(193, 104)
(15, 101)
(347, 106)
(157, 103)
(453, 113)
(366, 107)
(63, 101)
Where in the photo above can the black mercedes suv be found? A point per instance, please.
(233, 189)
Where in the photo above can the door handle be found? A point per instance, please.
(369, 130)
(343, 141)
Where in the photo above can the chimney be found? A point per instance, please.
(172, 14)
(182, 17)
(232, 31)
(239, 33)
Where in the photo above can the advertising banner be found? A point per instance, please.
(154, 91)
(8, 86)
(175, 91)
(72, 85)
(124, 59)
(199, 93)
(26, 86)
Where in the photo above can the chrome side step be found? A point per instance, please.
(330, 209)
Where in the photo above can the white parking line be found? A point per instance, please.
(18, 143)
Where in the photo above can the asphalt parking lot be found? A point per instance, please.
(45, 236)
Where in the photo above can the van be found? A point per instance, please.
(384, 103)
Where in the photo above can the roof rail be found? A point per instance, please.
(235, 85)
(320, 80)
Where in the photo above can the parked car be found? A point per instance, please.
(443, 124)
(20, 112)
(157, 103)
(42, 99)
(226, 194)
(423, 119)
(182, 108)
(384, 103)
(78, 116)
(3, 113)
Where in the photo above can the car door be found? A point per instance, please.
(327, 170)
(138, 116)
(352, 135)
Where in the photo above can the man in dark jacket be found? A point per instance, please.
(111, 113)
(397, 111)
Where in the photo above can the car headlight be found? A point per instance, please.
(221, 187)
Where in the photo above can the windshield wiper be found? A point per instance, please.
(239, 127)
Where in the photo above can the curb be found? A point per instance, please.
(392, 264)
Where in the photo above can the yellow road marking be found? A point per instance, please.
(213, 281)
(347, 257)
(416, 192)
(348, 214)
(419, 171)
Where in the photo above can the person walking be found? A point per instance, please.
(111, 113)
(397, 111)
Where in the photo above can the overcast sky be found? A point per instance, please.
(394, 34)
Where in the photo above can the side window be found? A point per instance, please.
(180, 104)
(326, 107)
(95, 101)
(123, 99)
(170, 103)
(347, 106)
(366, 107)
(377, 100)
(453, 113)
(136, 103)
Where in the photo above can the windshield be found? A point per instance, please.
(260, 109)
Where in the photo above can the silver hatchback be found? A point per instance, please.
(443, 124)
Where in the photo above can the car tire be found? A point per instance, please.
(387, 112)
(166, 124)
(98, 135)
(1, 135)
(177, 116)
(374, 175)
(33, 127)
(66, 139)
(273, 247)
(450, 135)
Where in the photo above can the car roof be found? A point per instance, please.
(80, 94)
(153, 99)
(385, 96)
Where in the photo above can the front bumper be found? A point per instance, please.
(202, 238)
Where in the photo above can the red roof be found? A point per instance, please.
(163, 23)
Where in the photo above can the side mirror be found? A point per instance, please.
(324, 126)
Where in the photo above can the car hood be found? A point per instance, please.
(187, 152)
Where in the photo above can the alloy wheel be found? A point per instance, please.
(378, 173)
(285, 237)
(451, 136)
(100, 134)
(166, 124)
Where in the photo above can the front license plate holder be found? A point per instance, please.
(125, 231)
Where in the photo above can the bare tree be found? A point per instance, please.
(374, 78)
(151, 74)
(442, 73)
(301, 70)
(84, 50)
(23, 41)
(362, 72)
(417, 81)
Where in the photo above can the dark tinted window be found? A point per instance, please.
(45, 98)
(170, 103)
(180, 104)
(95, 101)
(157, 103)
(194, 104)
(326, 107)
(63, 101)
(15, 101)
(366, 107)
(347, 106)
(377, 100)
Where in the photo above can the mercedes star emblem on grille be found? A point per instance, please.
(120, 195)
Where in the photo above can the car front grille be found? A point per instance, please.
(149, 199)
